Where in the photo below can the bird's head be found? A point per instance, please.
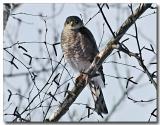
(73, 22)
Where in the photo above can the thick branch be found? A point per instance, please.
(98, 60)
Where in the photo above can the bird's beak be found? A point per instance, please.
(71, 23)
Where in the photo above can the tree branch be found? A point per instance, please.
(82, 80)
(6, 13)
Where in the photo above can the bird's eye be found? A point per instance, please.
(76, 22)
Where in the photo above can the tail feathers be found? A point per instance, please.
(100, 106)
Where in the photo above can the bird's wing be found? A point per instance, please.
(90, 47)
(88, 43)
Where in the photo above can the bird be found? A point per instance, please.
(79, 48)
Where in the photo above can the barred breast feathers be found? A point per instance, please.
(71, 44)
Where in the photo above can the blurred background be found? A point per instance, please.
(36, 77)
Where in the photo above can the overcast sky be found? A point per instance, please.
(27, 31)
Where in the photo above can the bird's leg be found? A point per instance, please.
(81, 79)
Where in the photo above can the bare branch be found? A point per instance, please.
(153, 113)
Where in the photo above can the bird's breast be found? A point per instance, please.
(73, 50)
(72, 45)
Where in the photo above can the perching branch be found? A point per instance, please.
(83, 79)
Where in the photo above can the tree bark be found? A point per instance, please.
(7, 8)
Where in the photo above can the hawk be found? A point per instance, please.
(79, 49)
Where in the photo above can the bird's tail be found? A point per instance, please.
(100, 106)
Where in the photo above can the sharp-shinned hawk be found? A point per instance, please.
(79, 49)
